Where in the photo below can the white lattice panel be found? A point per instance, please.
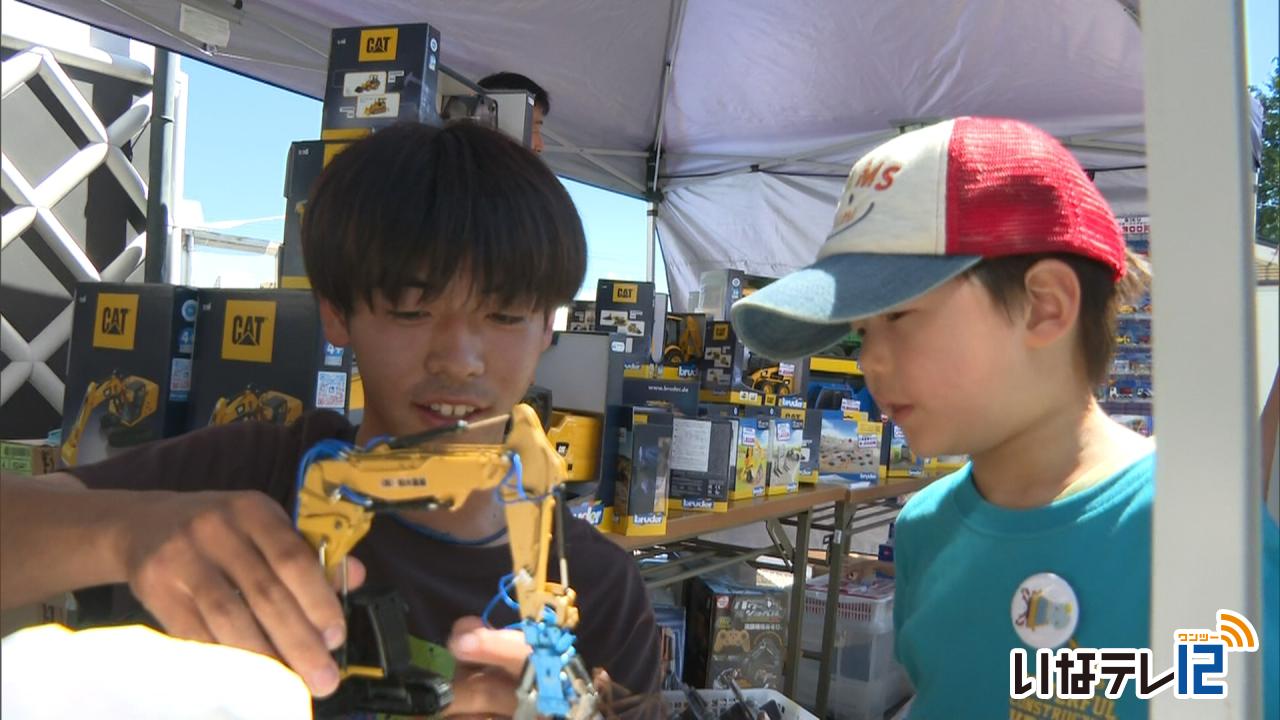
(33, 211)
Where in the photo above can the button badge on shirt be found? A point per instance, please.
(1045, 611)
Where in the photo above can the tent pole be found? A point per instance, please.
(651, 244)
(1205, 520)
(159, 174)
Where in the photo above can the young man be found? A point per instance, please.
(982, 269)
(541, 100)
(438, 256)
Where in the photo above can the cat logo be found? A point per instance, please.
(248, 331)
(625, 293)
(378, 44)
(720, 331)
(116, 321)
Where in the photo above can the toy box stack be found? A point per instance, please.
(1127, 395)
(261, 355)
(129, 370)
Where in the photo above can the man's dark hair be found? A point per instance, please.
(516, 81)
(1100, 298)
(414, 206)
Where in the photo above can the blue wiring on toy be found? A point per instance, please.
(324, 450)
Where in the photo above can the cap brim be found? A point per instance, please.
(810, 309)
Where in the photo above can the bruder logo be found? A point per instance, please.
(248, 331)
(116, 321)
(378, 44)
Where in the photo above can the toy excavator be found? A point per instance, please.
(342, 487)
(684, 340)
(129, 400)
(270, 406)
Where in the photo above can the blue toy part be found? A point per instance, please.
(553, 651)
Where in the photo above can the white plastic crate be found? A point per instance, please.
(854, 699)
(721, 700)
(856, 614)
(856, 655)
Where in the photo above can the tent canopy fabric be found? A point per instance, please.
(756, 109)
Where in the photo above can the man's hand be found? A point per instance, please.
(228, 567)
(490, 665)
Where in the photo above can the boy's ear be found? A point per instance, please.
(1052, 302)
(334, 324)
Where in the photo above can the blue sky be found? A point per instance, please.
(235, 160)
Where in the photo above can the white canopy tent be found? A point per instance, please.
(753, 112)
(739, 120)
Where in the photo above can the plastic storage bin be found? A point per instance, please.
(854, 699)
(721, 700)
(863, 628)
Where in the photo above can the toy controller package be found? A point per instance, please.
(735, 632)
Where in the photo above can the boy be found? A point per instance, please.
(439, 257)
(982, 269)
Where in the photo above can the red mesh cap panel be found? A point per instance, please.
(1014, 190)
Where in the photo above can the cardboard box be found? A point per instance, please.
(671, 632)
(129, 369)
(811, 435)
(262, 355)
(306, 160)
(718, 290)
(684, 339)
(736, 631)
(752, 467)
(644, 471)
(773, 379)
(380, 75)
(583, 371)
(704, 456)
(786, 446)
(850, 446)
(722, 356)
(628, 308)
(593, 511)
(898, 458)
(28, 457)
(582, 316)
(680, 396)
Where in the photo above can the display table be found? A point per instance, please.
(690, 556)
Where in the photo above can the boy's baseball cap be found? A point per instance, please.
(921, 209)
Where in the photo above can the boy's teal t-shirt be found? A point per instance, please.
(960, 560)
(960, 564)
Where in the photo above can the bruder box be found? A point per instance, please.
(262, 355)
(129, 370)
(380, 75)
(644, 471)
(704, 456)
